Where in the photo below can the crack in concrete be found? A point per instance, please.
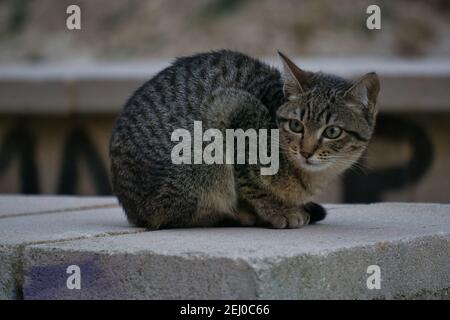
(71, 209)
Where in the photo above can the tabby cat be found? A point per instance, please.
(325, 123)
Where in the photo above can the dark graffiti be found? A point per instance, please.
(20, 142)
(366, 188)
(77, 146)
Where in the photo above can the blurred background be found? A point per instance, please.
(60, 89)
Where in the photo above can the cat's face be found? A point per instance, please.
(318, 132)
(327, 121)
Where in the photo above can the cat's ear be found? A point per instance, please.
(295, 79)
(365, 90)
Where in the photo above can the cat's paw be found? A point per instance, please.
(290, 220)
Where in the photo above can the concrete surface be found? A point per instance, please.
(29, 220)
(104, 87)
(20, 205)
(409, 242)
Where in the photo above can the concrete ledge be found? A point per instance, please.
(407, 85)
(409, 242)
(29, 220)
(20, 205)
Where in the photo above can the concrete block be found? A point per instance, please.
(410, 243)
(16, 232)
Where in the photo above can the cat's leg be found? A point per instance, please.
(245, 214)
(230, 108)
(278, 215)
(216, 194)
(157, 195)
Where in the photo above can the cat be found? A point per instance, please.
(325, 123)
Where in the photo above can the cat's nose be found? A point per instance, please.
(305, 154)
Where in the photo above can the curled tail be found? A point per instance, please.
(316, 211)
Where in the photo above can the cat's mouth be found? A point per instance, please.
(312, 165)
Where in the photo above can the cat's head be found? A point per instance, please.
(327, 121)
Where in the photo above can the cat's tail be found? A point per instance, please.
(316, 212)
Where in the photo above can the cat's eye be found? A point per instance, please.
(332, 132)
(295, 126)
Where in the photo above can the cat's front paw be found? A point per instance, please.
(290, 220)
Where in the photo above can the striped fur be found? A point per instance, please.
(226, 89)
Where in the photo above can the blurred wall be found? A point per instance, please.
(67, 153)
(128, 29)
(407, 160)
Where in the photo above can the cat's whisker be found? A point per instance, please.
(361, 165)
(352, 166)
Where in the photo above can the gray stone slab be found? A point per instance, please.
(16, 232)
(104, 87)
(409, 242)
(17, 205)
(24, 96)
